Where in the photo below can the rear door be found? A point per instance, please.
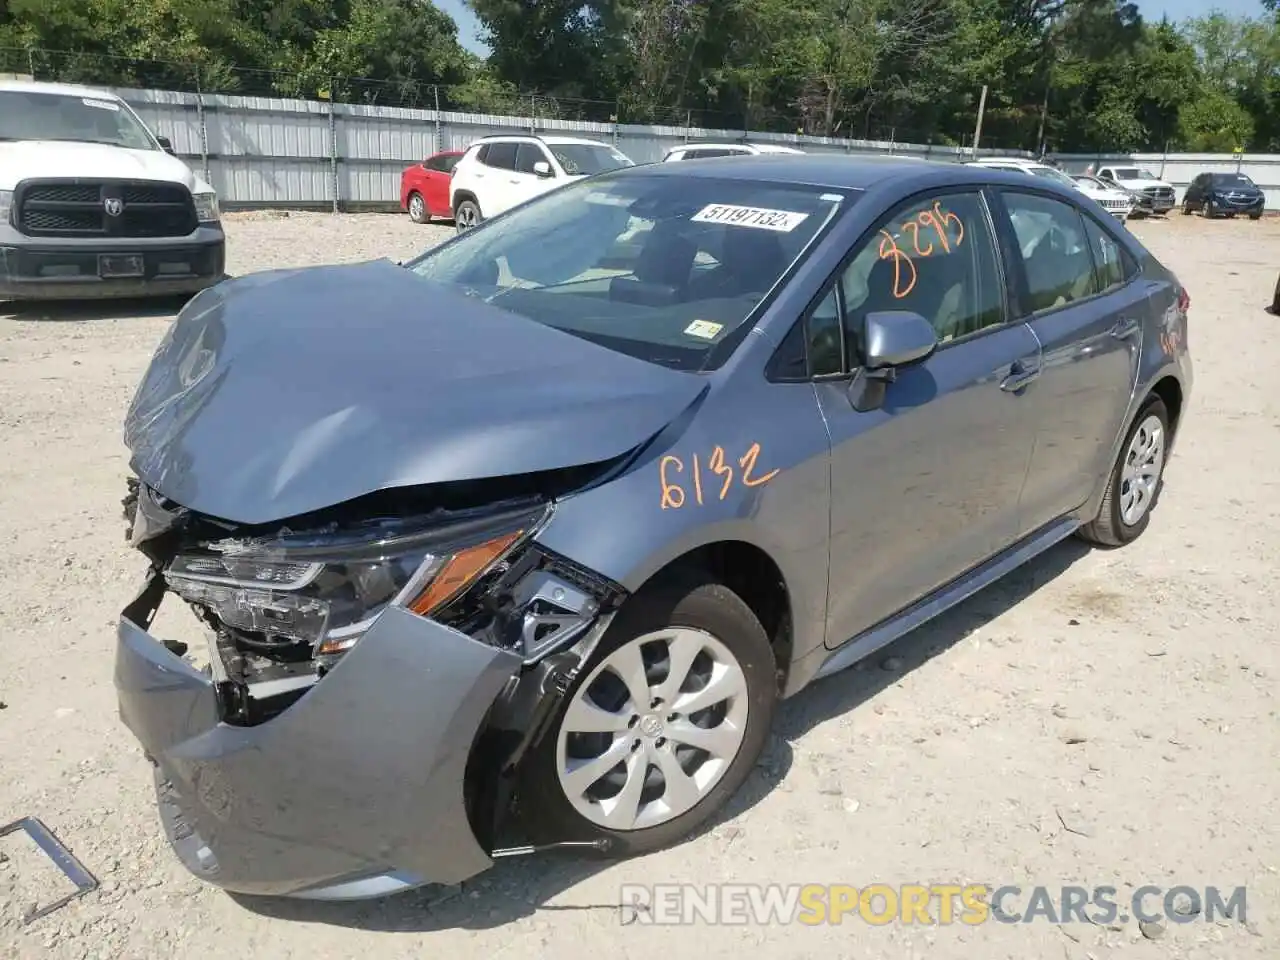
(1081, 294)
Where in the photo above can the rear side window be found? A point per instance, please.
(1055, 252)
(442, 164)
(502, 155)
(1113, 267)
(936, 257)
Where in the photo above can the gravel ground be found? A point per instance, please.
(1097, 719)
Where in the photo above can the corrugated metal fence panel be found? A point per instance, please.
(269, 181)
(264, 151)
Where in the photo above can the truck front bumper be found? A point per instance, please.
(70, 268)
(356, 790)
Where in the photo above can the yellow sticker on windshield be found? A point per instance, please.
(703, 329)
(759, 218)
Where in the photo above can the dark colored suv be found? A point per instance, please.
(1224, 193)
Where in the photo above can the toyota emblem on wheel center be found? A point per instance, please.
(114, 206)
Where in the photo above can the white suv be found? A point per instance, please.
(500, 172)
(704, 151)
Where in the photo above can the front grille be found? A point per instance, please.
(1159, 193)
(79, 208)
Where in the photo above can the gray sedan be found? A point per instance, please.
(521, 543)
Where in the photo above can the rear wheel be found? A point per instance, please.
(1136, 480)
(665, 724)
(467, 216)
(418, 212)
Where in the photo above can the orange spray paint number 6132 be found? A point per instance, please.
(720, 481)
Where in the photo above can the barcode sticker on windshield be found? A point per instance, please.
(101, 104)
(783, 221)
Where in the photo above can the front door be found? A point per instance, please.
(926, 486)
(1087, 307)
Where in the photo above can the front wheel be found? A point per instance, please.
(665, 724)
(467, 216)
(1186, 208)
(1209, 209)
(1135, 482)
(1255, 216)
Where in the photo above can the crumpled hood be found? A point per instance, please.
(281, 393)
(24, 159)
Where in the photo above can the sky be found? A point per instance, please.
(468, 27)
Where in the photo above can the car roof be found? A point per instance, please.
(549, 139)
(1019, 162)
(762, 147)
(840, 172)
(61, 89)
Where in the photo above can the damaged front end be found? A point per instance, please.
(290, 604)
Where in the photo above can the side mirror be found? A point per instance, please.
(893, 339)
(165, 144)
(543, 169)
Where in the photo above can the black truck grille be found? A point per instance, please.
(1159, 193)
(103, 208)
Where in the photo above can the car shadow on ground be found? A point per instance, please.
(517, 888)
(82, 311)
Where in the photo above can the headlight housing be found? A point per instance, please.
(207, 207)
(320, 593)
(6, 205)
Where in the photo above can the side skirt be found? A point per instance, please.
(943, 599)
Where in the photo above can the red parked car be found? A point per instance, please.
(424, 187)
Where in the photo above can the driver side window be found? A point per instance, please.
(936, 257)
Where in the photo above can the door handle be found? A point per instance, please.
(1126, 328)
(1020, 376)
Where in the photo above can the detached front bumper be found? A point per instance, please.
(356, 790)
(70, 268)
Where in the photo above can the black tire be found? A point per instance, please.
(1186, 208)
(1255, 216)
(1209, 210)
(1109, 529)
(418, 211)
(467, 215)
(1275, 299)
(686, 601)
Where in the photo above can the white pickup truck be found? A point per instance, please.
(1153, 194)
(92, 204)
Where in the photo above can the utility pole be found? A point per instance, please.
(1044, 112)
(977, 130)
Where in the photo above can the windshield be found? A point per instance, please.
(26, 115)
(1049, 173)
(662, 268)
(581, 159)
(1232, 180)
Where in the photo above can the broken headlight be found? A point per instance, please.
(324, 591)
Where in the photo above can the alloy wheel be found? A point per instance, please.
(417, 207)
(652, 729)
(466, 218)
(1140, 476)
